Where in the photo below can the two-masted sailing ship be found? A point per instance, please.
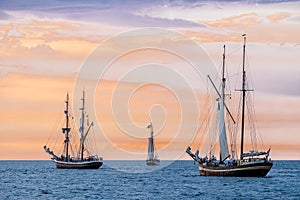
(152, 158)
(83, 159)
(253, 163)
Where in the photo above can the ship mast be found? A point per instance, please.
(82, 125)
(223, 78)
(243, 97)
(243, 90)
(222, 129)
(150, 142)
(66, 130)
(222, 99)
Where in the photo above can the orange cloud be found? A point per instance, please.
(243, 19)
(209, 36)
(231, 28)
(48, 38)
(278, 16)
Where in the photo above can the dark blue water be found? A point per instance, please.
(180, 180)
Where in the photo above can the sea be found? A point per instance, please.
(117, 180)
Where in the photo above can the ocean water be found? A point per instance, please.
(180, 180)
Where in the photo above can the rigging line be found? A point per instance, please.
(257, 127)
(229, 128)
(73, 139)
(233, 75)
(202, 130)
(255, 124)
(57, 120)
(205, 134)
(86, 146)
(94, 138)
(249, 72)
(239, 72)
(72, 149)
(233, 51)
(229, 132)
(203, 120)
(216, 134)
(89, 144)
(58, 136)
(76, 140)
(212, 130)
(61, 150)
(228, 81)
(260, 138)
(249, 121)
(237, 125)
(207, 116)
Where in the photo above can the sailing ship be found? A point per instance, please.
(83, 160)
(152, 158)
(249, 164)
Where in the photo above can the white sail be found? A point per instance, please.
(152, 156)
(224, 153)
(150, 143)
(150, 148)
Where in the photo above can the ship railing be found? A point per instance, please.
(250, 161)
(253, 153)
(93, 157)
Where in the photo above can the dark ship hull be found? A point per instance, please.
(250, 164)
(66, 161)
(243, 170)
(95, 164)
(152, 162)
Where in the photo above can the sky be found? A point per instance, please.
(142, 61)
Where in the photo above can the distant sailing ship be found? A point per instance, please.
(254, 163)
(83, 160)
(152, 158)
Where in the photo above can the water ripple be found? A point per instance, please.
(181, 180)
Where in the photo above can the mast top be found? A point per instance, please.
(223, 68)
(67, 99)
(244, 50)
(151, 129)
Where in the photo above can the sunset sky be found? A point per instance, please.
(50, 47)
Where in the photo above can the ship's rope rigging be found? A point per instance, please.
(52, 141)
(55, 127)
(91, 143)
(250, 115)
(209, 132)
(233, 129)
(205, 118)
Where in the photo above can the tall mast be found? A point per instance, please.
(223, 93)
(223, 78)
(224, 153)
(66, 130)
(244, 94)
(82, 124)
